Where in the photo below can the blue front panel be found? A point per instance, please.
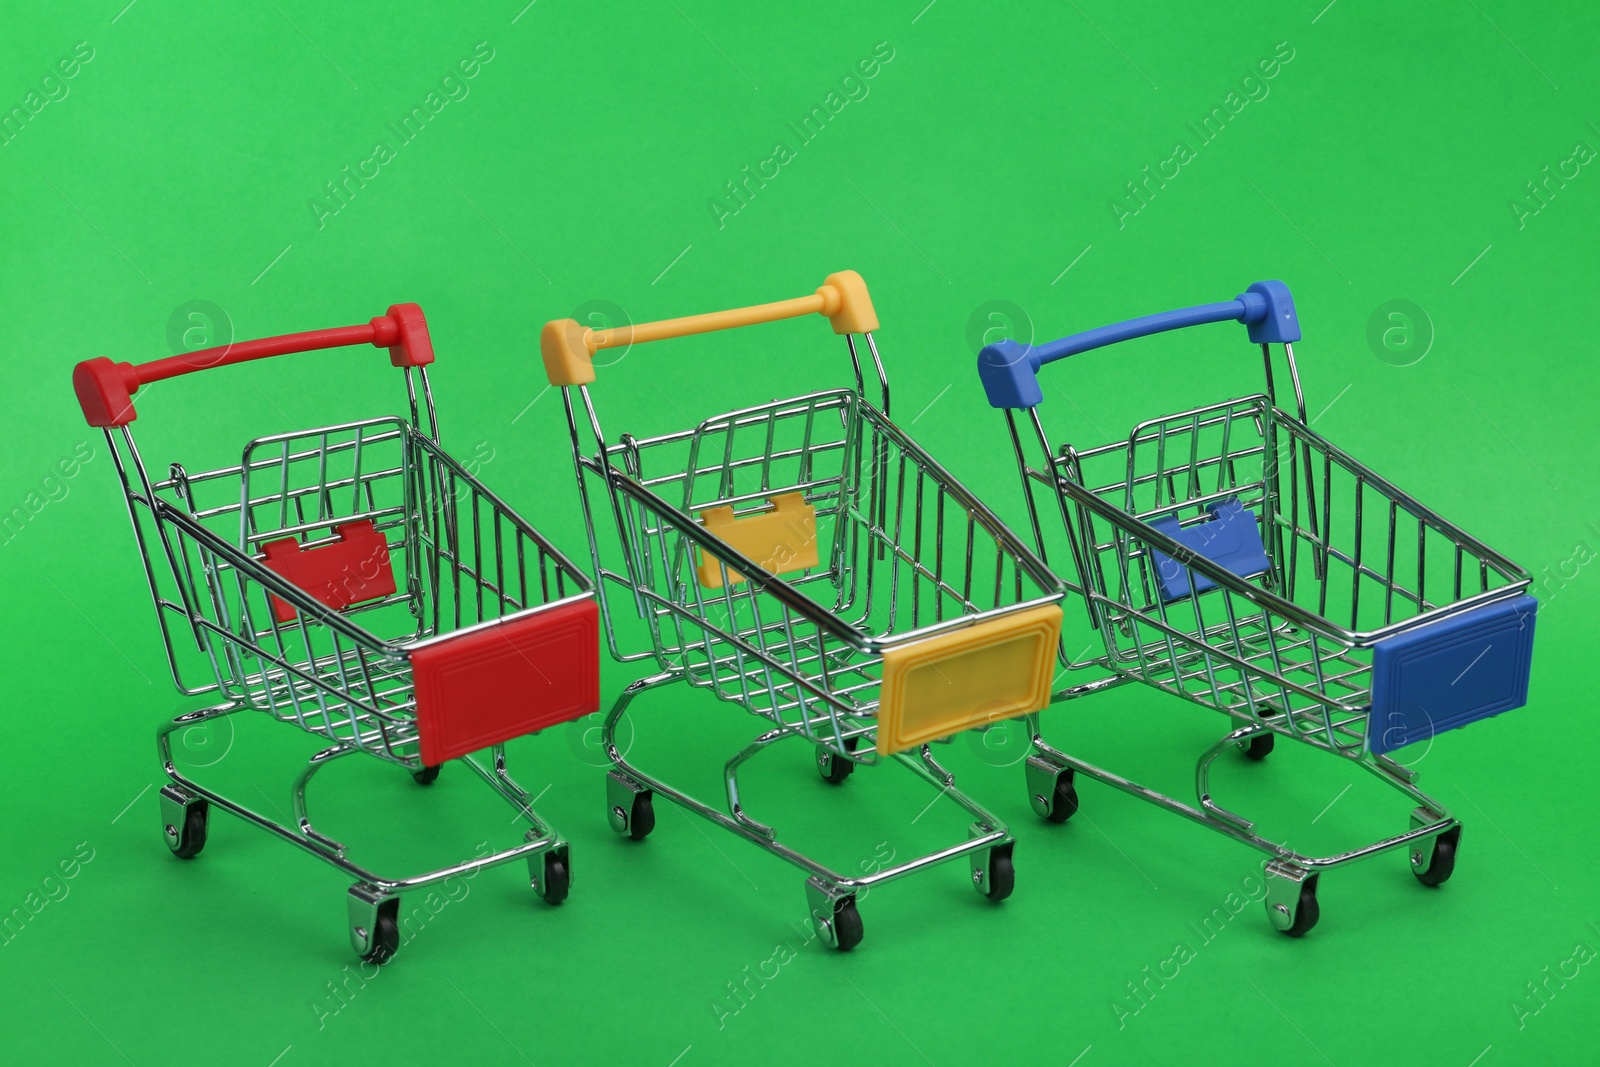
(1449, 673)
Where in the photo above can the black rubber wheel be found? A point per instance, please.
(1444, 859)
(1002, 875)
(192, 834)
(557, 880)
(385, 934)
(426, 776)
(642, 817)
(1307, 914)
(1065, 805)
(1260, 746)
(847, 928)
(835, 769)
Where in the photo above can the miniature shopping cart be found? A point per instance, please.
(1232, 556)
(359, 583)
(905, 611)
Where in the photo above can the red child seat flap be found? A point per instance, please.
(353, 569)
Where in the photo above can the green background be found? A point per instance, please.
(1381, 163)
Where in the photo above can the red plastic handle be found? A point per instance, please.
(105, 389)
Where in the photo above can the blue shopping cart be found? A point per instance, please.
(1232, 556)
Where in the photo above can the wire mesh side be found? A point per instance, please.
(459, 557)
(1351, 559)
(902, 551)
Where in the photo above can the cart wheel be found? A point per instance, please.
(426, 776)
(628, 807)
(847, 928)
(385, 934)
(1306, 912)
(641, 817)
(1000, 878)
(833, 767)
(1443, 864)
(557, 880)
(188, 837)
(1065, 804)
(1259, 747)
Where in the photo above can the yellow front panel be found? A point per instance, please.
(995, 670)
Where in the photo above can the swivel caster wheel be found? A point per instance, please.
(834, 914)
(1291, 898)
(833, 767)
(374, 924)
(551, 874)
(1051, 790)
(1433, 862)
(993, 875)
(185, 821)
(629, 807)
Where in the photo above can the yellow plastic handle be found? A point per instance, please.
(568, 348)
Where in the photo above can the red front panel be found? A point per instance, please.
(508, 680)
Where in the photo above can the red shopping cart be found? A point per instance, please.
(359, 583)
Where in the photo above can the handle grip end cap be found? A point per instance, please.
(407, 339)
(565, 348)
(105, 391)
(847, 304)
(1269, 314)
(1010, 374)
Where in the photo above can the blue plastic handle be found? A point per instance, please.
(1010, 369)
